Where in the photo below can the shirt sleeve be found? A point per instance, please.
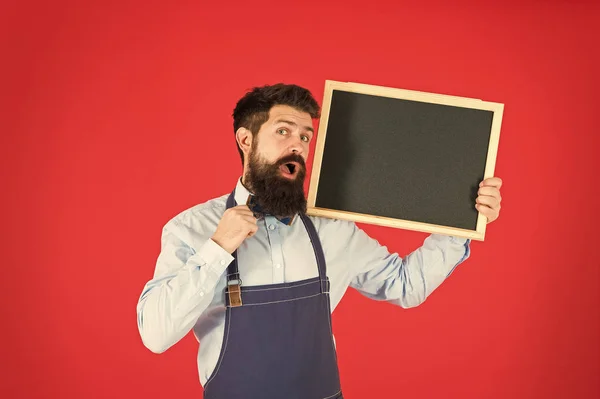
(408, 281)
(181, 289)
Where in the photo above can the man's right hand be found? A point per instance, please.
(237, 224)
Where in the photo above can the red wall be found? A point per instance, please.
(117, 115)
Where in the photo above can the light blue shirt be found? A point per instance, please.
(187, 290)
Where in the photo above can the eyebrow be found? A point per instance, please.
(310, 129)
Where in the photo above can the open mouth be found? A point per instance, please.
(289, 169)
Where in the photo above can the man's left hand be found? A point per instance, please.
(488, 198)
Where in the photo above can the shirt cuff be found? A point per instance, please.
(459, 240)
(451, 239)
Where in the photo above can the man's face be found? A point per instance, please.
(276, 162)
(288, 131)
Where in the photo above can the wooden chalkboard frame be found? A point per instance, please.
(330, 86)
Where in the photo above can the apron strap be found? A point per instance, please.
(234, 281)
(318, 249)
(232, 271)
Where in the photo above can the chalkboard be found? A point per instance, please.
(403, 158)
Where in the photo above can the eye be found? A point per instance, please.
(281, 131)
(305, 138)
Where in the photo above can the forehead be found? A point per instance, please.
(289, 113)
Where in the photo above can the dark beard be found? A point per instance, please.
(276, 195)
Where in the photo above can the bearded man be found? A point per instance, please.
(256, 279)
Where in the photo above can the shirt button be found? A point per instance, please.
(271, 227)
(222, 262)
(278, 265)
(201, 293)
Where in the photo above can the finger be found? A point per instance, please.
(235, 211)
(242, 214)
(242, 209)
(482, 209)
(490, 191)
(492, 202)
(249, 219)
(488, 212)
(492, 181)
(252, 231)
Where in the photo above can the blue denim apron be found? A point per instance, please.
(278, 342)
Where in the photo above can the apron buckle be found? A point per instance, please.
(235, 293)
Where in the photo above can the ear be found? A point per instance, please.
(244, 138)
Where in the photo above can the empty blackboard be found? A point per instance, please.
(403, 159)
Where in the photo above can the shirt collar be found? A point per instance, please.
(242, 195)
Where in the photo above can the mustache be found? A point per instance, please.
(291, 158)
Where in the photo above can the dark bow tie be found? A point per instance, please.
(259, 213)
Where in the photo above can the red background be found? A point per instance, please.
(117, 115)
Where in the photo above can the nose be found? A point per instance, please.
(296, 146)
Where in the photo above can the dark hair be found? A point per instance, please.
(252, 110)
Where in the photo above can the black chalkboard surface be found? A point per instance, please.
(403, 159)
